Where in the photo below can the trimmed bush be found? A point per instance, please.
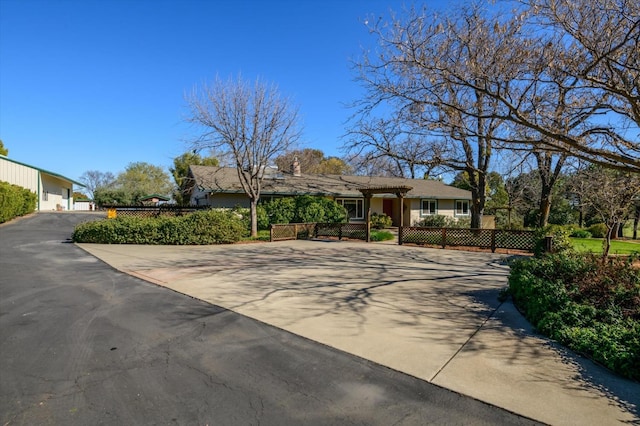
(301, 209)
(561, 239)
(202, 227)
(598, 230)
(279, 210)
(590, 307)
(581, 233)
(15, 201)
(440, 221)
(380, 221)
(433, 221)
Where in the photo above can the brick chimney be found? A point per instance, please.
(295, 167)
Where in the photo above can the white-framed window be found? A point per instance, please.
(354, 207)
(428, 207)
(462, 207)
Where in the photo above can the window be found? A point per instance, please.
(429, 207)
(354, 206)
(462, 207)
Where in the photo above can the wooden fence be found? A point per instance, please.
(151, 211)
(483, 238)
(295, 231)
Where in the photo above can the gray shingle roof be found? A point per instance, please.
(225, 180)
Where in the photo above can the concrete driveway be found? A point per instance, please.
(433, 314)
(84, 344)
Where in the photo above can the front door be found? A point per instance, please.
(387, 208)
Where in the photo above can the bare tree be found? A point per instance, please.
(383, 148)
(94, 179)
(453, 124)
(253, 123)
(610, 193)
(588, 50)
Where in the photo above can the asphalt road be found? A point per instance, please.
(81, 343)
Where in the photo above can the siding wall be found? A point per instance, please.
(202, 198)
(54, 191)
(19, 174)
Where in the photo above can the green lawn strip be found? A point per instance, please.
(263, 235)
(594, 245)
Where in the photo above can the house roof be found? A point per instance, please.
(59, 176)
(152, 196)
(225, 180)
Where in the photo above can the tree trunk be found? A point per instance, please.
(253, 208)
(606, 243)
(478, 199)
(581, 218)
(636, 219)
(476, 214)
(545, 206)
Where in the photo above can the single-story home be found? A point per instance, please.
(54, 191)
(154, 200)
(220, 187)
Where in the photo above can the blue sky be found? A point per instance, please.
(97, 84)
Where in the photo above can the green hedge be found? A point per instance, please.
(300, 209)
(15, 201)
(587, 305)
(203, 227)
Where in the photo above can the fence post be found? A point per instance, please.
(548, 244)
(493, 241)
(444, 237)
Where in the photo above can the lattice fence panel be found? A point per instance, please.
(483, 238)
(468, 237)
(283, 232)
(519, 240)
(292, 231)
(418, 235)
(342, 230)
(153, 211)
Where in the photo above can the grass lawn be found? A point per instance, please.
(594, 245)
(263, 235)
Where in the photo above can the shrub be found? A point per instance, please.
(280, 210)
(561, 239)
(440, 221)
(202, 227)
(334, 212)
(301, 209)
(308, 210)
(380, 221)
(581, 233)
(15, 201)
(433, 221)
(461, 222)
(598, 230)
(591, 307)
(381, 236)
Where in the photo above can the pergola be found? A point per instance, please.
(399, 191)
